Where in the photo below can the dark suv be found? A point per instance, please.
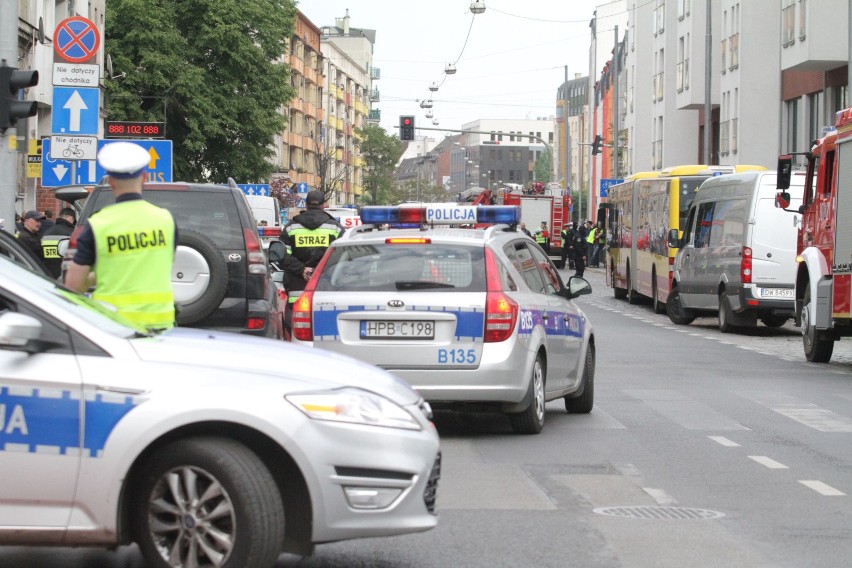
(220, 276)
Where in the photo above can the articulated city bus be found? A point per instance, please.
(640, 212)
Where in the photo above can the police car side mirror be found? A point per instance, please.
(577, 286)
(18, 330)
(276, 251)
(673, 240)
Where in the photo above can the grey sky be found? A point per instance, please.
(509, 66)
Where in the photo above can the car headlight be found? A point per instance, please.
(354, 406)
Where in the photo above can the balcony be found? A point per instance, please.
(375, 73)
(374, 96)
(375, 115)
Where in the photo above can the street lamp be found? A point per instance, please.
(477, 7)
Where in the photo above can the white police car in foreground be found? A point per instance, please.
(190, 444)
(463, 315)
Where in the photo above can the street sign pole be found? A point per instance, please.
(8, 154)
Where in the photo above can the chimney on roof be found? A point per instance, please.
(343, 23)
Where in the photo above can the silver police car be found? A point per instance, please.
(464, 315)
(205, 448)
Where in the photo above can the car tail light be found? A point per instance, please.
(745, 266)
(302, 319)
(303, 328)
(255, 323)
(501, 312)
(256, 258)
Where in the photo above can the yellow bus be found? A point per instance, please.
(640, 212)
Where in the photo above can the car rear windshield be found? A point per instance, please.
(213, 213)
(384, 267)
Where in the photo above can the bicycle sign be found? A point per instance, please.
(73, 147)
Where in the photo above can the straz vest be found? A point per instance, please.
(308, 245)
(135, 251)
(50, 252)
(541, 238)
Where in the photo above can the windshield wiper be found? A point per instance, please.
(420, 285)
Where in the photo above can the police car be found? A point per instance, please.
(206, 448)
(463, 315)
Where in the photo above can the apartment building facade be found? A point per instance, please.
(779, 71)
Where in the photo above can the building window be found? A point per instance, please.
(792, 125)
(803, 19)
(788, 23)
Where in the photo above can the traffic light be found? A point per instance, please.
(406, 128)
(597, 144)
(11, 108)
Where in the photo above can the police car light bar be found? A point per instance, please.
(440, 214)
(269, 231)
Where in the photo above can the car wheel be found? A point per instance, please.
(675, 310)
(207, 502)
(620, 293)
(659, 307)
(632, 296)
(726, 315)
(199, 277)
(818, 347)
(583, 404)
(531, 420)
(774, 321)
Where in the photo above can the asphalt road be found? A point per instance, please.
(703, 450)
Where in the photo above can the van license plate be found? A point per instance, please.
(780, 293)
(389, 329)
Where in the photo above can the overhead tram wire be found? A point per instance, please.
(464, 46)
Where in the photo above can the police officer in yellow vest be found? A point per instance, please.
(542, 236)
(307, 236)
(130, 245)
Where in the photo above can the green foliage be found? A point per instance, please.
(542, 167)
(212, 70)
(381, 153)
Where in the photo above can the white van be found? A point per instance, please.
(737, 255)
(265, 209)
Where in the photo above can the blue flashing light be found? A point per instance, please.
(377, 215)
(508, 214)
(441, 214)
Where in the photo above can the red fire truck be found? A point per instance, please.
(824, 269)
(552, 205)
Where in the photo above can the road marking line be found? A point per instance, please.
(660, 496)
(821, 488)
(768, 462)
(724, 441)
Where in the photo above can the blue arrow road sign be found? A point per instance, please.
(75, 110)
(261, 189)
(302, 189)
(55, 173)
(160, 166)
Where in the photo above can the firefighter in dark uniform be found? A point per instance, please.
(130, 245)
(63, 227)
(307, 236)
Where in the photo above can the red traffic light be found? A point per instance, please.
(406, 121)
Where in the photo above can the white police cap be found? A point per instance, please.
(123, 160)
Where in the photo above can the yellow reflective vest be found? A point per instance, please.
(134, 254)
